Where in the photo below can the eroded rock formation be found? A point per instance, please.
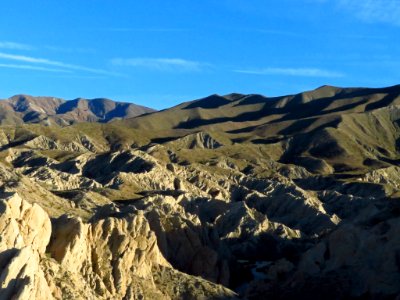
(109, 258)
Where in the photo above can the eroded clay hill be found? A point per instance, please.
(221, 198)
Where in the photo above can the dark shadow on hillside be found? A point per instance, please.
(17, 143)
(105, 166)
(163, 140)
(213, 101)
(267, 141)
(387, 100)
(345, 199)
(256, 99)
(298, 126)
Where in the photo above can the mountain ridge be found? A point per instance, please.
(23, 108)
(240, 112)
(51, 110)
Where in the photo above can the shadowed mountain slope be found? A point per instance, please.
(248, 113)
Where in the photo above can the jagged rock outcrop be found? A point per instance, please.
(368, 258)
(358, 259)
(107, 258)
(182, 239)
(45, 143)
(108, 252)
(389, 176)
(202, 140)
(48, 171)
(25, 231)
(246, 231)
(23, 224)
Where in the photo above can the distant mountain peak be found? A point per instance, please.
(22, 108)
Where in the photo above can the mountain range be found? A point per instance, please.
(21, 109)
(226, 197)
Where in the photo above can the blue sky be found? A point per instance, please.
(160, 53)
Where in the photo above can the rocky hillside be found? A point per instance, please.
(233, 197)
(22, 109)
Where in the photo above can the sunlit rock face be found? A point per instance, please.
(110, 258)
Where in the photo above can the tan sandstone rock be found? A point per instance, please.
(25, 232)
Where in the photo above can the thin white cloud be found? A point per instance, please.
(14, 46)
(383, 11)
(160, 64)
(131, 29)
(372, 11)
(48, 62)
(276, 32)
(69, 49)
(35, 68)
(301, 72)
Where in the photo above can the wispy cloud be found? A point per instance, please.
(308, 34)
(53, 63)
(35, 68)
(160, 64)
(373, 11)
(14, 46)
(301, 72)
(275, 32)
(69, 49)
(384, 11)
(131, 29)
